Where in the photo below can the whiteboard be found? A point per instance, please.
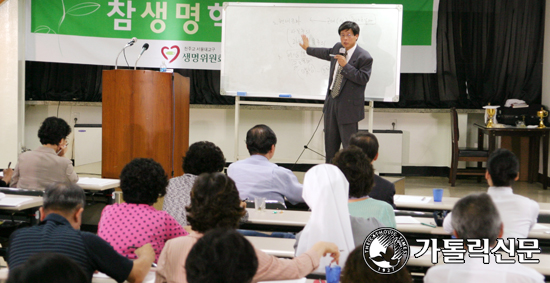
(261, 55)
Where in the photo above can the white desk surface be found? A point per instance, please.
(447, 203)
(300, 219)
(279, 247)
(278, 217)
(97, 184)
(34, 201)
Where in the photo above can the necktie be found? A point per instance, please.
(336, 88)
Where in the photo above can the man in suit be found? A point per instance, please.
(382, 189)
(350, 69)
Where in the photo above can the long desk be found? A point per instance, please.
(534, 135)
(294, 221)
(11, 208)
(280, 247)
(447, 203)
(285, 248)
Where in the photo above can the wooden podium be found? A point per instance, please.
(145, 114)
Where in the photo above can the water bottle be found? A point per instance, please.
(163, 67)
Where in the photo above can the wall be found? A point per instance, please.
(12, 79)
(426, 136)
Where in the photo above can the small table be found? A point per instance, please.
(534, 134)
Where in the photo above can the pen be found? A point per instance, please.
(9, 164)
(429, 225)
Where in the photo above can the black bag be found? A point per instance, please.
(509, 115)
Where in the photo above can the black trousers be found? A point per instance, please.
(336, 133)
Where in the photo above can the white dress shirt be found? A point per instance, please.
(474, 270)
(518, 213)
(257, 177)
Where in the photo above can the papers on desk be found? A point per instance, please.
(87, 182)
(406, 220)
(411, 199)
(12, 201)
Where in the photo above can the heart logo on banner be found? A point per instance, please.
(170, 52)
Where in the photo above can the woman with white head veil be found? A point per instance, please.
(326, 193)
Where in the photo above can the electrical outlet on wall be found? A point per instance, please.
(75, 115)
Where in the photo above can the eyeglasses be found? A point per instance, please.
(347, 35)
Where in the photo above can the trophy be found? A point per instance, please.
(491, 110)
(542, 114)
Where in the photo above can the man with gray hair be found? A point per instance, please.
(59, 232)
(476, 217)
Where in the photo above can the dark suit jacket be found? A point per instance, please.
(383, 190)
(351, 101)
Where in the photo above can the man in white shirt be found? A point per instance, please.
(257, 177)
(476, 217)
(519, 214)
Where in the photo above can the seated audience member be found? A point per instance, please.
(221, 255)
(5, 182)
(257, 177)
(215, 203)
(48, 267)
(131, 224)
(477, 217)
(382, 189)
(202, 157)
(357, 271)
(359, 172)
(58, 232)
(518, 213)
(326, 193)
(46, 165)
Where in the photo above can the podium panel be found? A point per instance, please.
(145, 114)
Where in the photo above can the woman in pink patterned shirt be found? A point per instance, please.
(128, 226)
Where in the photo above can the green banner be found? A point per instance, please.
(182, 20)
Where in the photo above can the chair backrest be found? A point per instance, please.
(454, 127)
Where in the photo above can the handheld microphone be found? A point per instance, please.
(130, 43)
(143, 49)
(342, 51)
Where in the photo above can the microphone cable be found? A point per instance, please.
(306, 146)
(124, 52)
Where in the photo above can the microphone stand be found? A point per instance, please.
(135, 66)
(144, 48)
(116, 61)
